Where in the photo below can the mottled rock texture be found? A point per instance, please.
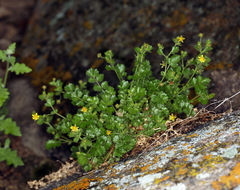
(14, 16)
(64, 37)
(207, 158)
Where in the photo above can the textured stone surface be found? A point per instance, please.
(207, 158)
(14, 16)
(64, 37)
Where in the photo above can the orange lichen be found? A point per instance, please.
(185, 152)
(97, 63)
(182, 170)
(193, 135)
(156, 158)
(75, 48)
(230, 181)
(98, 42)
(157, 181)
(111, 187)
(190, 147)
(219, 66)
(207, 157)
(185, 159)
(84, 183)
(144, 168)
(78, 185)
(113, 172)
(169, 148)
(88, 25)
(44, 75)
(212, 21)
(178, 19)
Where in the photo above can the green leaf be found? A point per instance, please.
(121, 69)
(20, 68)
(49, 103)
(11, 59)
(82, 158)
(11, 49)
(174, 60)
(175, 49)
(9, 127)
(52, 144)
(86, 143)
(58, 86)
(10, 156)
(7, 143)
(3, 56)
(160, 49)
(198, 47)
(4, 93)
(137, 93)
(159, 98)
(187, 73)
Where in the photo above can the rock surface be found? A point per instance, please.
(64, 37)
(207, 158)
(14, 16)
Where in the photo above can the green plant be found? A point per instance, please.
(7, 125)
(106, 125)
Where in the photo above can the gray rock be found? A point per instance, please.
(23, 102)
(207, 158)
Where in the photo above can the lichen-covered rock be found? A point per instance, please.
(64, 37)
(207, 158)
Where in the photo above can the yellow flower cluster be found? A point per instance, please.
(74, 128)
(108, 132)
(201, 58)
(180, 39)
(84, 109)
(172, 117)
(35, 116)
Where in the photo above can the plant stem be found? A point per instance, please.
(57, 112)
(6, 75)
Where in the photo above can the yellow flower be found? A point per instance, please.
(35, 116)
(172, 117)
(108, 132)
(180, 39)
(201, 59)
(44, 87)
(74, 128)
(84, 109)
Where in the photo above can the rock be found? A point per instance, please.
(207, 158)
(22, 103)
(14, 17)
(64, 37)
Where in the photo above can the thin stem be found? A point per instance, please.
(57, 112)
(183, 88)
(6, 75)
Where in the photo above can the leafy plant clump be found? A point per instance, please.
(7, 125)
(107, 125)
